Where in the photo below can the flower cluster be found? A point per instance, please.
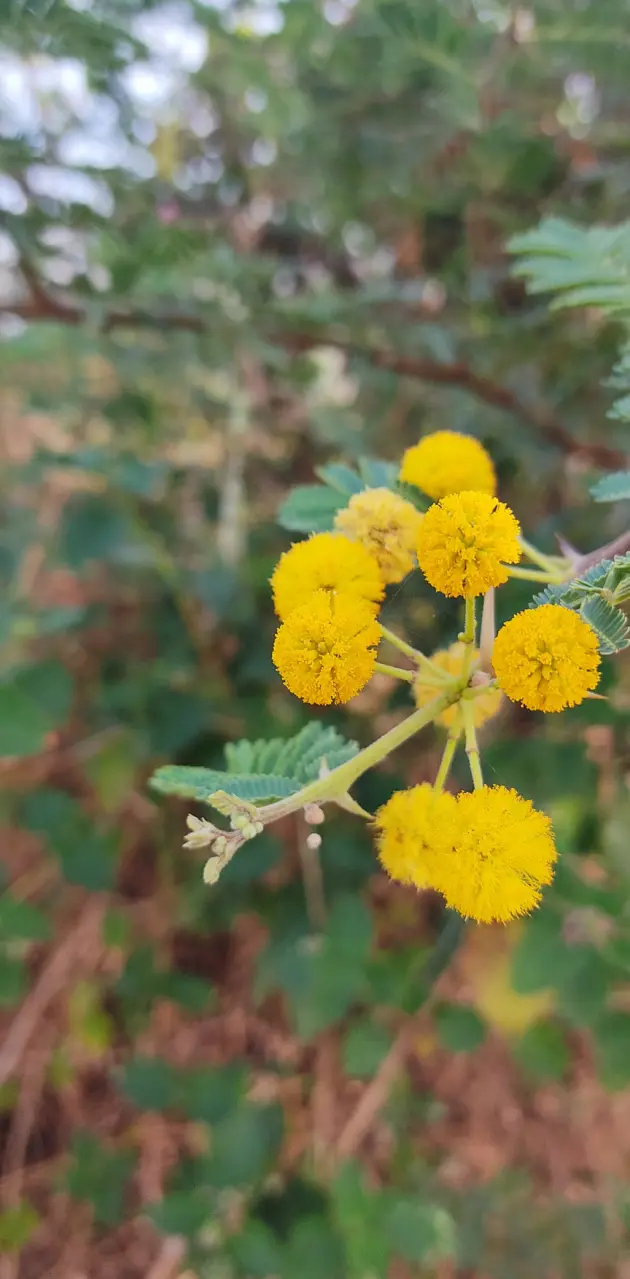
(488, 851)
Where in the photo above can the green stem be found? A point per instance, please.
(487, 632)
(468, 638)
(399, 643)
(335, 785)
(538, 557)
(532, 574)
(394, 671)
(447, 755)
(416, 656)
(472, 748)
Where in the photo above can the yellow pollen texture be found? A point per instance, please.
(387, 526)
(328, 562)
(546, 658)
(448, 462)
(464, 542)
(325, 651)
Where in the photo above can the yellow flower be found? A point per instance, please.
(463, 541)
(387, 526)
(450, 660)
(326, 649)
(502, 854)
(546, 658)
(325, 562)
(413, 834)
(447, 462)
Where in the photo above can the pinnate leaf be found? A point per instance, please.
(612, 488)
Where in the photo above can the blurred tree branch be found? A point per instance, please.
(42, 305)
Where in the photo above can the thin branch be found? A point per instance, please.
(42, 305)
(620, 545)
(49, 985)
(378, 1090)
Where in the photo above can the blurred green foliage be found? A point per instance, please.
(249, 252)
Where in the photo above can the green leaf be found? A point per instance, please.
(556, 593)
(361, 1219)
(313, 1250)
(181, 1212)
(254, 859)
(12, 981)
(582, 991)
(260, 770)
(542, 1052)
(256, 1252)
(210, 1093)
(341, 478)
(542, 958)
(612, 1049)
(412, 494)
(460, 1029)
(32, 704)
(150, 1083)
(174, 719)
(86, 855)
(244, 1145)
(297, 757)
(377, 474)
(92, 529)
(99, 1176)
(201, 784)
(310, 508)
(364, 1048)
(20, 921)
(423, 1233)
(190, 992)
(609, 624)
(612, 488)
(17, 1224)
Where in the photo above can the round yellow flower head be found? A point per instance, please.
(463, 541)
(485, 704)
(387, 526)
(413, 834)
(503, 852)
(546, 658)
(447, 462)
(325, 562)
(326, 649)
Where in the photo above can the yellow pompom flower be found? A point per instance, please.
(413, 834)
(463, 541)
(387, 526)
(325, 562)
(546, 658)
(447, 462)
(450, 660)
(502, 854)
(326, 649)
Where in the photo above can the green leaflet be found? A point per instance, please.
(201, 783)
(612, 488)
(608, 622)
(260, 770)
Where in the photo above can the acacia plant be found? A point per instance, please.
(488, 851)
